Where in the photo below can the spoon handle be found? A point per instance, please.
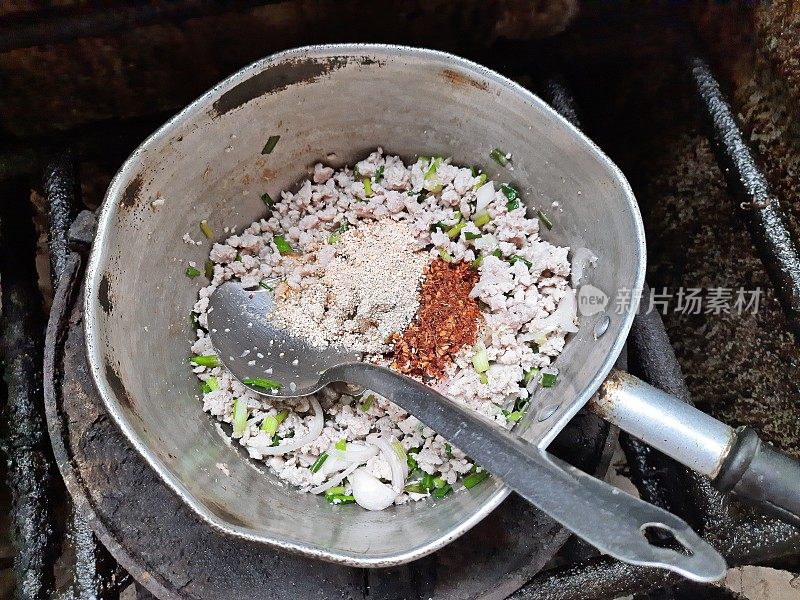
(605, 517)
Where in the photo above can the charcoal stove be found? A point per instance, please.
(124, 523)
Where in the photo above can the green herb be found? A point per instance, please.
(379, 173)
(239, 416)
(367, 404)
(480, 360)
(497, 253)
(500, 157)
(367, 187)
(334, 491)
(481, 219)
(191, 272)
(529, 375)
(482, 179)
(206, 229)
(319, 462)
(270, 145)
(475, 264)
(238, 257)
(263, 284)
(341, 445)
(484, 378)
(411, 461)
(448, 450)
(442, 491)
(509, 191)
(543, 218)
(208, 269)
(338, 499)
(427, 481)
(267, 200)
(548, 379)
(445, 255)
(261, 382)
(471, 236)
(453, 232)
(516, 258)
(470, 481)
(282, 245)
(269, 425)
(515, 416)
(433, 167)
(512, 205)
(206, 360)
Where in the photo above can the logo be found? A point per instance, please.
(591, 300)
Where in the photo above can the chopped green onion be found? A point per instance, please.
(191, 272)
(476, 263)
(261, 382)
(442, 491)
(457, 216)
(204, 387)
(433, 167)
(270, 145)
(473, 479)
(399, 450)
(281, 416)
(481, 219)
(338, 499)
(445, 255)
(206, 360)
(367, 404)
(427, 481)
(471, 236)
(379, 173)
(337, 490)
(453, 232)
(411, 461)
(512, 205)
(509, 191)
(480, 360)
(367, 187)
(206, 229)
(239, 416)
(515, 416)
(482, 179)
(263, 284)
(438, 482)
(548, 379)
(416, 488)
(267, 200)
(516, 258)
(337, 234)
(341, 445)
(212, 383)
(500, 157)
(208, 269)
(269, 425)
(497, 253)
(319, 462)
(543, 218)
(282, 245)
(238, 257)
(448, 450)
(474, 170)
(484, 378)
(530, 375)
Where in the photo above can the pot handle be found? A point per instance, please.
(735, 459)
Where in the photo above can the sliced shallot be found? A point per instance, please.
(399, 468)
(260, 443)
(369, 492)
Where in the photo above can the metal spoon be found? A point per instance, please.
(252, 347)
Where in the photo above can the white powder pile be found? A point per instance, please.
(367, 289)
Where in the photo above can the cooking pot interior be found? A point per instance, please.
(333, 104)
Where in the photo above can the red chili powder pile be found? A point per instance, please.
(447, 321)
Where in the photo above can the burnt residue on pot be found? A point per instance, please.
(132, 193)
(278, 77)
(104, 294)
(457, 79)
(117, 386)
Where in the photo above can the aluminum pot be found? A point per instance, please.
(336, 103)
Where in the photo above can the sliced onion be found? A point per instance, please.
(262, 443)
(369, 492)
(334, 481)
(484, 196)
(563, 317)
(582, 258)
(354, 452)
(399, 468)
